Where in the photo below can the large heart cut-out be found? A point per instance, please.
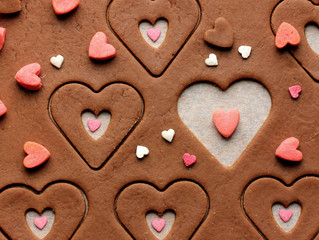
(263, 193)
(66, 200)
(182, 18)
(307, 12)
(186, 199)
(121, 101)
(198, 102)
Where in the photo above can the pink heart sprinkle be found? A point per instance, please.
(154, 34)
(189, 159)
(40, 222)
(158, 225)
(94, 124)
(294, 91)
(285, 215)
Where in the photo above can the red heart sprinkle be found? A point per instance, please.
(28, 78)
(37, 155)
(100, 49)
(3, 108)
(64, 6)
(189, 159)
(294, 91)
(286, 33)
(2, 37)
(226, 122)
(287, 150)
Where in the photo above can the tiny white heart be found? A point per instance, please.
(57, 61)
(141, 151)
(244, 51)
(212, 60)
(168, 135)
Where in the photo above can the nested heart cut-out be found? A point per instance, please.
(120, 100)
(125, 23)
(263, 193)
(186, 199)
(66, 200)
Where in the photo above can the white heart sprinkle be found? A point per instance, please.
(141, 151)
(212, 60)
(168, 135)
(57, 61)
(244, 51)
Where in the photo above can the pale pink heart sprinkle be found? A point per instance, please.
(94, 124)
(154, 34)
(158, 225)
(40, 222)
(294, 91)
(285, 215)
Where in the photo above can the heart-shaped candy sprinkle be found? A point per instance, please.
(2, 37)
(286, 34)
(158, 225)
(40, 222)
(168, 135)
(64, 6)
(189, 159)
(154, 34)
(141, 151)
(287, 150)
(57, 61)
(211, 61)
(100, 49)
(28, 78)
(294, 91)
(244, 51)
(3, 108)
(285, 214)
(94, 124)
(226, 122)
(37, 155)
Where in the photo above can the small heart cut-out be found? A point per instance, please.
(28, 78)
(222, 35)
(158, 225)
(37, 155)
(226, 122)
(99, 48)
(285, 214)
(94, 124)
(64, 6)
(40, 222)
(287, 150)
(295, 91)
(287, 34)
(154, 34)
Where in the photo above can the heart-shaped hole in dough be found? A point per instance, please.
(157, 32)
(294, 208)
(30, 218)
(312, 35)
(168, 216)
(90, 120)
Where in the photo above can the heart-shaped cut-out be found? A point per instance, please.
(10, 6)
(155, 60)
(286, 218)
(307, 12)
(155, 221)
(287, 34)
(37, 155)
(122, 101)
(197, 103)
(154, 35)
(262, 194)
(65, 199)
(42, 224)
(226, 122)
(99, 48)
(188, 200)
(64, 6)
(287, 150)
(28, 78)
(222, 35)
(96, 125)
